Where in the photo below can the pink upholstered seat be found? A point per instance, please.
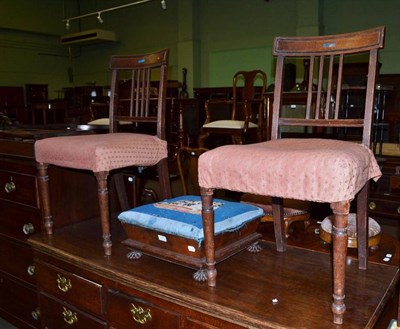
(319, 170)
(135, 99)
(102, 152)
(316, 167)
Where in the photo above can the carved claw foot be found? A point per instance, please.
(134, 254)
(200, 276)
(254, 248)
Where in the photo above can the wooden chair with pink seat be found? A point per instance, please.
(106, 154)
(319, 168)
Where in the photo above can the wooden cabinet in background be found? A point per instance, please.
(392, 112)
(384, 199)
(36, 93)
(12, 104)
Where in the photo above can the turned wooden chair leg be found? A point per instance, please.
(208, 225)
(362, 227)
(201, 139)
(44, 192)
(279, 225)
(339, 241)
(102, 191)
(163, 176)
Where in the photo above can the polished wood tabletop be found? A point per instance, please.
(265, 290)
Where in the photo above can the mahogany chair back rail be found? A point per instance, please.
(144, 102)
(327, 56)
(131, 142)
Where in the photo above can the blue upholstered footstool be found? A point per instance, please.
(172, 230)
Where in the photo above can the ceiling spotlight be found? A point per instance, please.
(67, 24)
(99, 17)
(163, 4)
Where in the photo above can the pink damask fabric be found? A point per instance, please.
(102, 152)
(320, 170)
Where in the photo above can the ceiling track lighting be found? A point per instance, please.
(98, 13)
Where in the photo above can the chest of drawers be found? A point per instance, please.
(78, 285)
(384, 201)
(21, 217)
(79, 288)
(72, 297)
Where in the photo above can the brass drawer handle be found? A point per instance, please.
(372, 205)
(69, 316)
(10, 186)
(140, 315)
(63, 283)
(28, 228)
(31, 269)
(36, 314)
(398, 209)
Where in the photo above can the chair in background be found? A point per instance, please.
(293, 210)
(49, 112)
(315, 169)
(247, 110)
(99, 113)
(104, 153)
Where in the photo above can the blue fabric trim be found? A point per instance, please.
(229, 216)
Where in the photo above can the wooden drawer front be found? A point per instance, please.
(58, 315)
(384, 208)
(17, 260)
(18, 188)
(18, 221)
(127, 312)
(73, 289)
(20, 301)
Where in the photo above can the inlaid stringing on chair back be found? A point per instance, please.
(145, 101)
(324, 52)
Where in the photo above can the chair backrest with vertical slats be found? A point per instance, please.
(142, 100)
(327, 56)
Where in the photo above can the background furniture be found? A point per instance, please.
(314, 169)
(293, 210)
(12, 103)
(103, 153)
(49, 112)
(384, 198)
(245, 115)
(392, 111)
(20, 218)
